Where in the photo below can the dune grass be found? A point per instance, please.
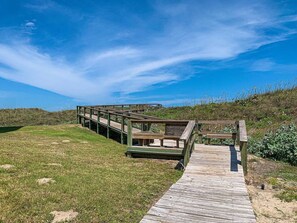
(35, 116)
(95, 178)
(262, 112)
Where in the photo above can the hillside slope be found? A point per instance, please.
(35, 116)
(261, 111)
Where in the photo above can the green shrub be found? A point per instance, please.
(279, 145)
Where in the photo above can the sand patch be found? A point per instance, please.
(84, 142)
(271, 209)
(54, 164)
(7, 166)
(62, 216)
(66, 141)
(44, 181)
(54, 143)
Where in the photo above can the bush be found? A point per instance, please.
(279, 145)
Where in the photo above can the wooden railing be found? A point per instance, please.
(130, 107)
(184, 132)
(109, 117)
(214, 129)
(189, 137)
(242, 141)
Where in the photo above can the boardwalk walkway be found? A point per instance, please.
(212, 189)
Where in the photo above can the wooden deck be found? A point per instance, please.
(212, 189)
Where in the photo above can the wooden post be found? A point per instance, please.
(84, 110)
(238, 133)
(122, 129)
(90, 122)
(243, 152)
(185, 153)
(129, 134)
(98, 121)
(200, 136)
(77, 114)
(108, 124)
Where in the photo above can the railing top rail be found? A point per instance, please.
(216, 122)
(160, 121)
(130, 105)
(188, 131)
(242, 131)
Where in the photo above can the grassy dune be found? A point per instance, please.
(95, 178)
(261, 111)
(35, 116)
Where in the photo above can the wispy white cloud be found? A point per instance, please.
(189, 31)
(263, 65)
(267, 64)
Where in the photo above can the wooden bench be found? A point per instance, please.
(221, 136)
(146, 137)
(173, 132)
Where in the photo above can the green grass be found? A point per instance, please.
(95, 179)
(288, 195)
(35, 116)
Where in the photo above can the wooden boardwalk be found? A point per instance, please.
(212, 189)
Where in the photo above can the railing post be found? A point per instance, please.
(77, 114)
(90, 121)
(98, 121)
(237, 133)
(84, 112)
(243, 153)
(200, 136)
(108, 124)
(129, 134)
(122, 129)
(186, 159)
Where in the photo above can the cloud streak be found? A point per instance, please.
(188, 31)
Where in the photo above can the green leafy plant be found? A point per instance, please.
(279, 145)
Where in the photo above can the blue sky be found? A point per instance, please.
(57, 54)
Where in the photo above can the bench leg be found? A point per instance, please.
(161, 142)
(177, 143)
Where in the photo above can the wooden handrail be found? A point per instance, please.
(188, 131)
(160, 121)
(215, 122)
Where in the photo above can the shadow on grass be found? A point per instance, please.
(9, 129)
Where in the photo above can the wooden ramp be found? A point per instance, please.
(212, 189)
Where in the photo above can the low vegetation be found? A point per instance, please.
(277, 145)
(77, 170)
(35, 116)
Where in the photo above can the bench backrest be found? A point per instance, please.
(175, 129)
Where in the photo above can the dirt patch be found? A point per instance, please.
(62, 216)
(7, 166)
(46, 181)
